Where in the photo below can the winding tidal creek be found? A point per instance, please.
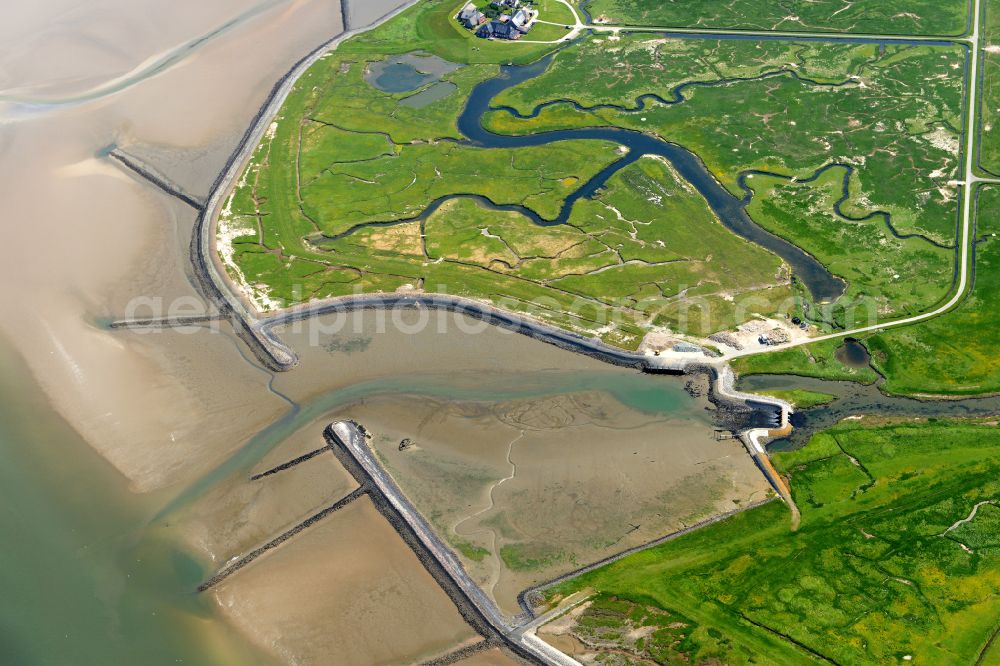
(399, 75)
(730, 210)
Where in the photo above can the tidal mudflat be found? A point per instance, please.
(529, 488)
(160, 407)
(80, 583)
(450, 395)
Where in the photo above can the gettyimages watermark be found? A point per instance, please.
(442, 310)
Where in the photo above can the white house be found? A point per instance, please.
(523, 19)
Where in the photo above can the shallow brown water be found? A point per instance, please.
(92, 238)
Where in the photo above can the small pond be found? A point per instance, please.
(853, 354)
(405, 73)
(427, 96)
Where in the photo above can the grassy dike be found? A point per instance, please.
(876, 571)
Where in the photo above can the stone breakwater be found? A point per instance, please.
(238, 564)
(478, 310)
(212, 282)
(348, 442)
(158, 179)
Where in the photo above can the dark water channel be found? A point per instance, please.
(859, 400)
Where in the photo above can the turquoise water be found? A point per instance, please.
(652, 394)
(78, 586)
(88, 573)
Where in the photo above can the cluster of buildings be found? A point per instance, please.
(501, 19)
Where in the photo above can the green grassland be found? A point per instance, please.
(989, 103)
(620, 256)
(982, 533)
(898, 276)
(619, 69)
(801, 398)
(553, 12)
(334, 200)
(957, 353)
(812, 360)
(792, 109)
(331, 203)
(890, 17)
(877, 570)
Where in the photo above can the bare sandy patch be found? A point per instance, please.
(402, 238)
(347, 591)
(943, 139)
